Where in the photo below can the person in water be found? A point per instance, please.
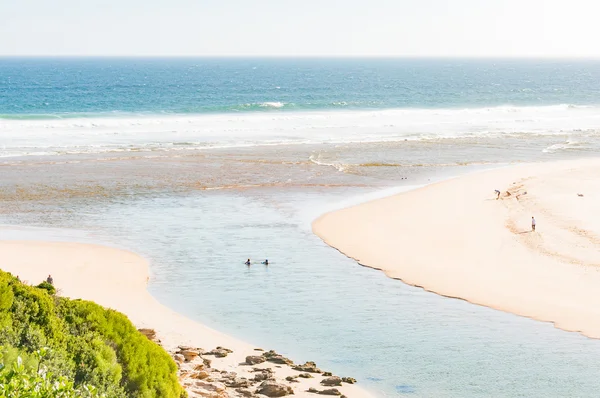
(247, 262)
(266, 262)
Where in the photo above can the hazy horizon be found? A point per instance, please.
(313, 29)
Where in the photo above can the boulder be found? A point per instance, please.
(262, 376)
(307, 367)
(292, 379)
(313, 390)
(327, 374)
(206, 362)
(178, 358)
(330, 391)
(349, 380)
(305, 375)
(280, 359)
(189, 355)
(219, 352)
(274, 389)
(255, 359)
(201, 375)
(245, 393)
(332, 381)
(149, 333)
(238, 382)
(274, 357)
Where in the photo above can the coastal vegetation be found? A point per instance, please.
(51, 346)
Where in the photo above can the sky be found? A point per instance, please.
(374, 28)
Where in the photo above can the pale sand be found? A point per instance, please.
(455, 239)
(117, 279)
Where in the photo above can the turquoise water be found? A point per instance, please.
(47, 88)
(198, 164)
(313, 303)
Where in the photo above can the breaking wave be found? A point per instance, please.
(126, 132)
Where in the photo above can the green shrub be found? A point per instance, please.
(47, 286)
(19, 380)
(90, 346)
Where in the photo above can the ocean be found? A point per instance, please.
(198, 164)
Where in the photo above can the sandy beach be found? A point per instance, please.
(456, 239)
(117, 279)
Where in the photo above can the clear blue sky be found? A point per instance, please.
(300, 28)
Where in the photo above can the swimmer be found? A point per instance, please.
(266, 262)
(247, 262)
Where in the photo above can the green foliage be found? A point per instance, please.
(47, 286)
(20, 380)
(90, 347)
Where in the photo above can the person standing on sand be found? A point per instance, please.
(497, 193)
(532, 223)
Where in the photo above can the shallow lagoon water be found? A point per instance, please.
(313, 303)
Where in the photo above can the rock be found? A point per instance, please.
(305, 375)
(238, 382)
(332, 381)
(178, 358)
(313, 390)
(149, 333)
(258, 349)
(224, 349)
(262, 376)
(199, 366)
(214, 387)
(327, 374)
(292, 379)
(281, 360)
(245, 393)
(262, 370)
(330, 391)
(255, 359)
(206, 362)
(189, 355)
(274, 389)
(349, 380)
(228, 375)
(201, 375)
(307, 367)
(274, 357)
(219, 352)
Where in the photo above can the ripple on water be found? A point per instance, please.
(312, 303)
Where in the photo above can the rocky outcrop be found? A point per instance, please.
(219, 352)
(332, 381)
(307, 367)
(349, 380)
(330, 391)
(274, 389)
(305, 375)
(274, 357)
(255, 359)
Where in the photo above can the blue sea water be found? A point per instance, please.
(46, 87)
(198, 164)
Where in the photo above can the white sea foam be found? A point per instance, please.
(202, 132)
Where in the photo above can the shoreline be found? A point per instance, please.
(454, 239)
(117, 279)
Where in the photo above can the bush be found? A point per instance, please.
(47, 286)
(90, 347)
(18, 380)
